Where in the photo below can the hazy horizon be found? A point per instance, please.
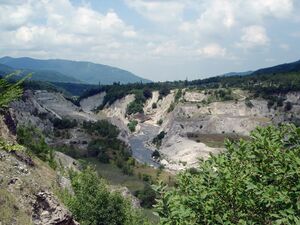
(157, 40)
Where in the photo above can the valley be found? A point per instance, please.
(136, 135)
(149, 112)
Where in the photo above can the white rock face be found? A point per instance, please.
(90, 103)
(192, 96)
(161, 112)
(118, 109)
(58, 105)
(181, 153)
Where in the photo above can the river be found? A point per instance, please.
(140, 151)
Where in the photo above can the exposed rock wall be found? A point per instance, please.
(90, 103)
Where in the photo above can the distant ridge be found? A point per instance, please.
(282, 68)
(86, 72)
(38, 75)
(231, 74)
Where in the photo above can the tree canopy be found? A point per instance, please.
(254, 181)
(9, 91)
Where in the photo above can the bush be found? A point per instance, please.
(154, 105)
(224, 94)
(147, 93)
(288, 106)
(93, 203)
(158, 139)
(252, 182)
(102, 128)
(164, 91)
(270, 103)
(64, 123)
(160, 122)
(171, 107)
(34, 140)
(178, 95)
(248, 103)
(155, 154)
(108, 149)
(147, 196)
(132, 125)
(134, 107)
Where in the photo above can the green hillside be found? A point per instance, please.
(87, 72)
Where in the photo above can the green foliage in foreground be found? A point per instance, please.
(253, 182)
(9, 91)
(4, 145)
(94, 204)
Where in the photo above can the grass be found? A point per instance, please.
(115, 176)
(10, 212)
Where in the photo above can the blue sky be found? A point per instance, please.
(158, 40)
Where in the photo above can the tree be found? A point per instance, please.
(252, 182)
(9, 91)
(147, 196)
(93, 203)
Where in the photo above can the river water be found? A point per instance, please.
(140, 151)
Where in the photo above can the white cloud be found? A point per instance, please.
(221, 16)
(12, 16)
(182, 31)
(276, 8)
(212, 51)
(254, 36)
(58, 27)
(159, 11)
(284, 46)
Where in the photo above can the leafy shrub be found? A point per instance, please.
(288, 106)
(270, 103)
(147, 93)
(248, 103)
(280, 101)
(164, 91)
(178, 95)
(158, 139)
(171, 107)
(137, 106)
(224, 94)
(64, 123)
(34, 140)
(134, 107)
(155, 154)
(93, 203)
(160, 122)
(9, 146)
(252, 182)
(132, 125)
(147, 196)
(102, 128)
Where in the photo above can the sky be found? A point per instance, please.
(156, 39)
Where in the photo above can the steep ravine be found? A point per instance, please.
(208, 124)
(138, 142)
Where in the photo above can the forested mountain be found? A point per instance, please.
(86, 72)
(282, 68)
